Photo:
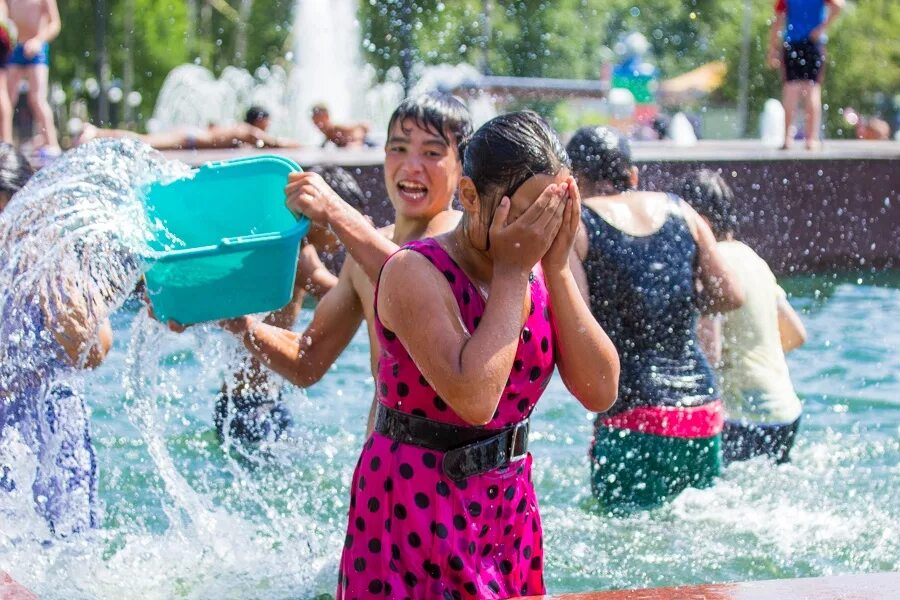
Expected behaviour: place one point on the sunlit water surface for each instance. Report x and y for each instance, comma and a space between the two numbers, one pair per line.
183, 518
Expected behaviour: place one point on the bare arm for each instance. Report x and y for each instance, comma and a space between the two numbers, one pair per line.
304, 358
52, 24
307, 193
311, 277
775, 33
793, 333
576, 263
721, 290
709, 332
312, 274
259, 137
587, 359
72, 318
468, 370
834, 10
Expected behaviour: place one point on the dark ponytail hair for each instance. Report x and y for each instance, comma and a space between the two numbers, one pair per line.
508, 150
15, 171
601, 155
708, 193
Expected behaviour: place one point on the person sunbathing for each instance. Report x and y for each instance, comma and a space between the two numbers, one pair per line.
342, 136
252, 132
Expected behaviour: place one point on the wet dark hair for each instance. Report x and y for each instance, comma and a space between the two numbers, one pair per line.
438, 112
15, 170
510, 149
254, 114
343, 183
600, 154
708, 193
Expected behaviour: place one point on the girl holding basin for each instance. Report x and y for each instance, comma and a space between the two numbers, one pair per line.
643, 255
442, 503
762, 411
421, 171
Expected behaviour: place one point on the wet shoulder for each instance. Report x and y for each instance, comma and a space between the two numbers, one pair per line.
739, 255
752, 271
632, 214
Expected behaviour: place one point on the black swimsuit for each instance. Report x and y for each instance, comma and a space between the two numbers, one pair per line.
642, 293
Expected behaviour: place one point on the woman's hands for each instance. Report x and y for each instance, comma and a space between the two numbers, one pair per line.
522, 243
556, 259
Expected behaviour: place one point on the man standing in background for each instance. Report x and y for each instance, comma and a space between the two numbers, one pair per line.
37, 23
797, 46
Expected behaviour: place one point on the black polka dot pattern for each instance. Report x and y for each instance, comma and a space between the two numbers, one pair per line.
412, 532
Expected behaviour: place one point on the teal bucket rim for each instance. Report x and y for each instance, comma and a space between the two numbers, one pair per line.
237, 243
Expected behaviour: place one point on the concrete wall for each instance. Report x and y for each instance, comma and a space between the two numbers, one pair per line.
800, 215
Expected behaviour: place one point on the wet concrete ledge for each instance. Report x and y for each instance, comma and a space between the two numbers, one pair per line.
877, 586
828, 210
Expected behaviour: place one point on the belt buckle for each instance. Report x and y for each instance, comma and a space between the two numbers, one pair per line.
518, 430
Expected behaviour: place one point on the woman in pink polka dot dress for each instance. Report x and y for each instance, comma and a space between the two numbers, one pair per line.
472, 324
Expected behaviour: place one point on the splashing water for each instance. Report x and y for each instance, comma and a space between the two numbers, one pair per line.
186, 519
75, 243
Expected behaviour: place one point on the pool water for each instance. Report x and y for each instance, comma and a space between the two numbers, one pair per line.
186, 519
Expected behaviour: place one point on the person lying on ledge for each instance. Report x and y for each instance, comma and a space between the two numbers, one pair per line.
342, 136
252, 132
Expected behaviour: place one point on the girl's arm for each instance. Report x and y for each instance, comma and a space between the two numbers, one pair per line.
307, 193
709, 332
774, 54
469, 369
587, 359
313, 275
51, 26
721, 290
834, 9
790, 327
303, 358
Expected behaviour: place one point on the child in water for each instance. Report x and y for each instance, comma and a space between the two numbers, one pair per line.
643, 254
442, 503
762, 410
41, 410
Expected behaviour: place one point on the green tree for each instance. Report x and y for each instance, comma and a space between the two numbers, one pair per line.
862, 65
863, 61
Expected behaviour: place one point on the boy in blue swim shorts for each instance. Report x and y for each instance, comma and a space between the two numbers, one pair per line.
37, 23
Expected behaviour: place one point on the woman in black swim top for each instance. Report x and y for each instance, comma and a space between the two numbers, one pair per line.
644, 254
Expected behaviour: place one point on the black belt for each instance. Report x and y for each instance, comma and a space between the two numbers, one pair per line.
467, 450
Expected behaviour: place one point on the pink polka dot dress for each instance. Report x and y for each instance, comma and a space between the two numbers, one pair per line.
413, 532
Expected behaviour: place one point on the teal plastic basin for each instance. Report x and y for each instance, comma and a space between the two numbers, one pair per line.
230, 245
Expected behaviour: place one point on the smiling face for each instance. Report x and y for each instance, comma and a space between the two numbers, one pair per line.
421, 170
